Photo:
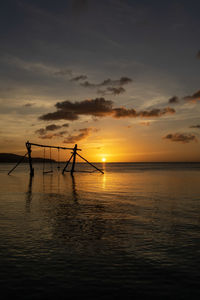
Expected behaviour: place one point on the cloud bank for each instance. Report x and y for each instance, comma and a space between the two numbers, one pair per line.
99, 107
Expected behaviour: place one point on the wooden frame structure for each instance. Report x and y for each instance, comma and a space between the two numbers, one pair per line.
74, 154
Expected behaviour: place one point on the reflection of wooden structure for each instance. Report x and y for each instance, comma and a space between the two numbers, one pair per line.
74, 154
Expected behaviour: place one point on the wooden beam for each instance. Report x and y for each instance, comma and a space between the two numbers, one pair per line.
90, 163
56, 147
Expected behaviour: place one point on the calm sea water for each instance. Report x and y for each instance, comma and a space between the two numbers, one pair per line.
131, 233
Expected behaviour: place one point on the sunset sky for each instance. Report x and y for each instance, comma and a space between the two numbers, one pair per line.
119, 78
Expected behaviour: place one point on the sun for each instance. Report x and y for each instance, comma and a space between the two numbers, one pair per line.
103, 159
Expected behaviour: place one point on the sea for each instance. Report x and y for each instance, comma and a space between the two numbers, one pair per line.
130, 233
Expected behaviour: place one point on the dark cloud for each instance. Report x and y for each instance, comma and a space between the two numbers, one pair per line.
195, 126
194, 98
174, 100
43, 131
181, 137
122, 112
112, 91
83, 133
52, 127
156, 112
109, 86
94, 107
99, 107
190, 98
120, 82
28, 104
65, 125
80, 77
108, 82
59, 115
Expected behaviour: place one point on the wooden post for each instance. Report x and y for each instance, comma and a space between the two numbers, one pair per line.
67, 163
28, 146
74, 159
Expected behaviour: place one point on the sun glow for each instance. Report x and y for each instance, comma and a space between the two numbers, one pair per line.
103, 159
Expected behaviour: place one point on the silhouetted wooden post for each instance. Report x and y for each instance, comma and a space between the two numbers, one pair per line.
28, 146
74, 159
67, 163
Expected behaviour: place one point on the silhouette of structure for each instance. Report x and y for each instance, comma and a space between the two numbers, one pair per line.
73, 156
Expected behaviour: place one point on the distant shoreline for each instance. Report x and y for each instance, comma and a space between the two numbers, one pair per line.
14, 158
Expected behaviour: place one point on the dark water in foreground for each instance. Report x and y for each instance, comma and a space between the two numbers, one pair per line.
130, 233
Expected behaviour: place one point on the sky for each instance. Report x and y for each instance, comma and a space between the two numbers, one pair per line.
118, 77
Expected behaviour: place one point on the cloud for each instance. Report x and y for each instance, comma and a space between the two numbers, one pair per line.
65, 125
112, 91
83, 133
195, 126
43, 131
190, 98
156, 112
95, 107
52, 127
198, 54
193, 98
80, 77
122, 112
28, 104
174, 100
183, 138
99, 107
108, 82
59, 115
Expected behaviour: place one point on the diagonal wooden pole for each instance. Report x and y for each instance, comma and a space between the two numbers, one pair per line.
67, 163
90, 163
17, 163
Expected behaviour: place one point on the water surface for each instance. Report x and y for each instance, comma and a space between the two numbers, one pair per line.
133, 230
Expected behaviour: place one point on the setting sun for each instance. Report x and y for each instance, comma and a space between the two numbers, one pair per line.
103, 159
